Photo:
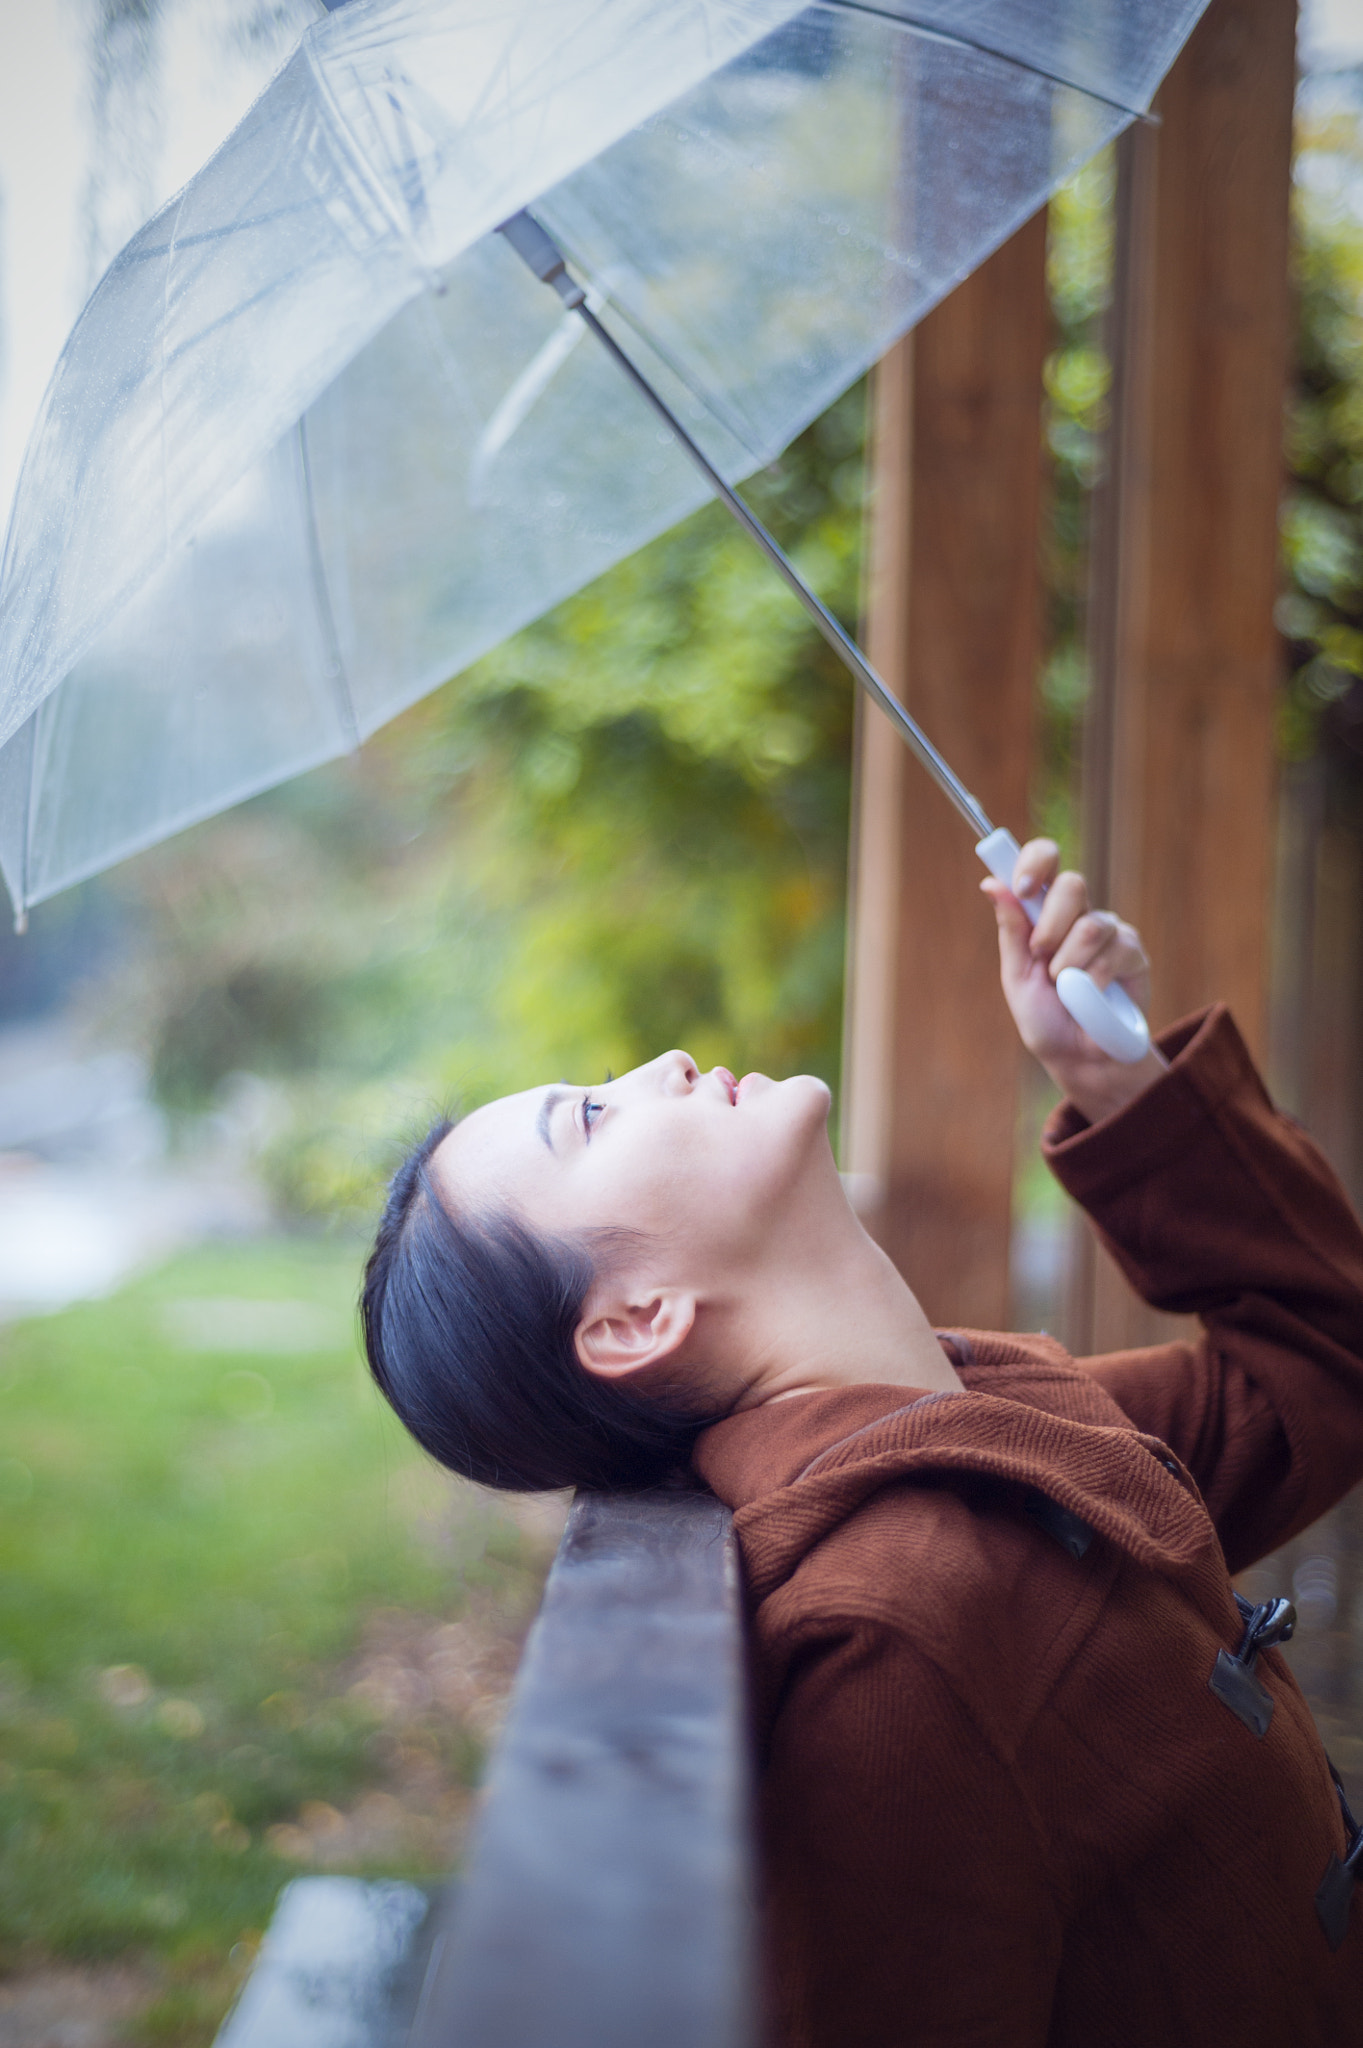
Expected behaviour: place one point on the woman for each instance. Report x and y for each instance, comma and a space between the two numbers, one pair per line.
1028, 1774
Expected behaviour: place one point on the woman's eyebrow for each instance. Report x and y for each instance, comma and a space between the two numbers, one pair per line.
550, 1103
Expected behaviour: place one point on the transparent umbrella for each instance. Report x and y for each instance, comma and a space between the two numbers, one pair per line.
320, 437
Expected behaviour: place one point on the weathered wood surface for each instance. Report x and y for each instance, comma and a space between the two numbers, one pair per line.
1179, 770
332, 1968
931, 1068
608, 1898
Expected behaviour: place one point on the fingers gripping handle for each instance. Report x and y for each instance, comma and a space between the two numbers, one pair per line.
1108, 1014
1000, 853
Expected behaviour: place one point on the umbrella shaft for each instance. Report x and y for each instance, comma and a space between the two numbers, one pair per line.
842, 643
541, 253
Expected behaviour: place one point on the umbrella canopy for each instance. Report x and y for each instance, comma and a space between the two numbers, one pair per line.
319, 439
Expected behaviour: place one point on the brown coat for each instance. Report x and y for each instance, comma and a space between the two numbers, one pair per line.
1000, 1803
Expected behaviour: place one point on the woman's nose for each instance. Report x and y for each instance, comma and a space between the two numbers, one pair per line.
678, 1071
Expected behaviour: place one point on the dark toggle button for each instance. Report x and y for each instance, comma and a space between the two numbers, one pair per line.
1336, 1887
1241, 1691
1068, 1530
1233, 1679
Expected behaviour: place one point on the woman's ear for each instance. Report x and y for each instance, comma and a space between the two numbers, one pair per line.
618, 1335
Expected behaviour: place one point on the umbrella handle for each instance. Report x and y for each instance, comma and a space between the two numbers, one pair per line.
1108, 1014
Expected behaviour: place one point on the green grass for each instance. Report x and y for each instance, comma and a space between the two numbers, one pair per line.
203, 1504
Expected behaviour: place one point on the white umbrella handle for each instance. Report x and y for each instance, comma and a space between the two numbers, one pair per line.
1108, 1014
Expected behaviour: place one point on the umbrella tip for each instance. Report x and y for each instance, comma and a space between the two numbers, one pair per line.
20, 923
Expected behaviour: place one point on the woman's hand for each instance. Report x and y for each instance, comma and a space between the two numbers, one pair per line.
1068, 934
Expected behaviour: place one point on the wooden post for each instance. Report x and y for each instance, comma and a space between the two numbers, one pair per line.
1179, 768
931, 1070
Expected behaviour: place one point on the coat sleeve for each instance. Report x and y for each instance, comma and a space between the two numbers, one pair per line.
1215, 1204
909, 1905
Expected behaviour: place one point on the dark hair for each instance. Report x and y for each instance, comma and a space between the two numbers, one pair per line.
469, 1327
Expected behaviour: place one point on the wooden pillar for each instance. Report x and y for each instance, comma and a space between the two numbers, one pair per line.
932, 1061
1179, 767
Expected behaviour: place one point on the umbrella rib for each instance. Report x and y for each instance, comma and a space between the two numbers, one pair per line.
541, 253
742, 430
949, 35
134, 253
333, 665
838, 639
26, 840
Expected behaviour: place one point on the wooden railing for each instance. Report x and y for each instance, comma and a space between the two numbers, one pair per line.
607, 1901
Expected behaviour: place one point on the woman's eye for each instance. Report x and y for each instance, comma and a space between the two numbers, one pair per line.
591, 1113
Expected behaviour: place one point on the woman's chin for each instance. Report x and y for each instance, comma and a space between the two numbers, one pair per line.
805, 1090
813, 1091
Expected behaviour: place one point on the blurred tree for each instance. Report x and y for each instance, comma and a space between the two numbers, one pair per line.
1321, 611
1318, 1023
1078, 379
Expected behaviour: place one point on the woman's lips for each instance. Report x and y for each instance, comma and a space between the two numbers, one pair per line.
727, 1078
738, 1092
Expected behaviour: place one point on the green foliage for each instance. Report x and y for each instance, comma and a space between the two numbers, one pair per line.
1077, 380
190, 1537
624, 829
1321, 612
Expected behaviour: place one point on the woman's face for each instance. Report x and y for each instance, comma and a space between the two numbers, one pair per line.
706, 1167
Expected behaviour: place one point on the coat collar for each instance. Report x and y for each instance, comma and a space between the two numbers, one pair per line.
1028, 1418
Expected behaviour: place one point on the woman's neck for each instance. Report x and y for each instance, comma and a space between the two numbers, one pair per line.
835, 1315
